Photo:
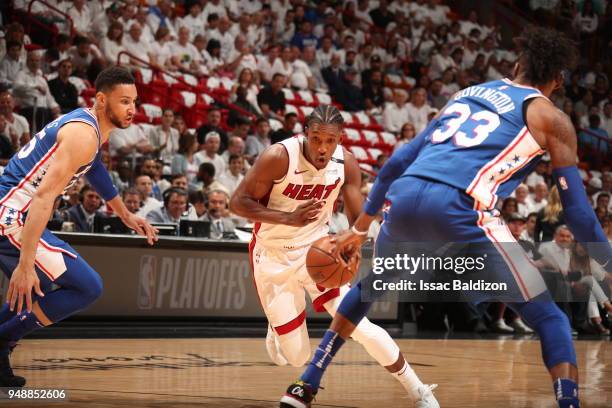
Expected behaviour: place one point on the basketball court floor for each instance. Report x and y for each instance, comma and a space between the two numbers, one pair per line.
236, 372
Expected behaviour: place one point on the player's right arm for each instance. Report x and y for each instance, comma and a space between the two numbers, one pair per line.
271, 165
77, 145
554, 131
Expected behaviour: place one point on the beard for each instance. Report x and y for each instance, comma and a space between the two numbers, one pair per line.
114, 120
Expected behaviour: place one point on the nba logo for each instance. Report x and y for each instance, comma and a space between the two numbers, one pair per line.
146, 281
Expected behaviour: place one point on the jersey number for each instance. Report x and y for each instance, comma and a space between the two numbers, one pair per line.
28, 148
456, 115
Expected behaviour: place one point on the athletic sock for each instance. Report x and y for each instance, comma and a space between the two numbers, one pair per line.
566, 393
324, 354
409, 380
18, 326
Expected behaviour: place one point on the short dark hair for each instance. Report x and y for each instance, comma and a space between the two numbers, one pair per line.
112, 76
260, 120
129, 191
207, 168
197, 197
290, 115
277, 75
325, 114
545, 53
234, 157
177, 176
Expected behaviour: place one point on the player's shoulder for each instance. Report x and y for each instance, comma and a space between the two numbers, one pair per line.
543, 115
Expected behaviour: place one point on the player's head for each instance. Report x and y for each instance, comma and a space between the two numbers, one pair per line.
116, 96
323, 134
545, 54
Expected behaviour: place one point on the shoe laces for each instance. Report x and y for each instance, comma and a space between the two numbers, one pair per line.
426, 390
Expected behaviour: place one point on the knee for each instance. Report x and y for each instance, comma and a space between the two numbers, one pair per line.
92, 287
366, 331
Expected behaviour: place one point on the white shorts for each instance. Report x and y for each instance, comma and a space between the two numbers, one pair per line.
280, 280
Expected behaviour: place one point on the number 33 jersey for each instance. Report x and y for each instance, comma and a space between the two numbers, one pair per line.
480, 143
27, 168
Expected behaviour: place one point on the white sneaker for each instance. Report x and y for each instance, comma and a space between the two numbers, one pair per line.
274, 350
500, 326
520, 326
426, 397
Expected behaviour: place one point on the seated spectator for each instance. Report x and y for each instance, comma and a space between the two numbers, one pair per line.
223, 36
221, 225
242, 128
131, 199
197, 201
112, 44
396, 113
301, 76
247, 81
549, 218
81, 17
406, 134
164, 138
8, 142
185, 55
418, 109
210, 152
271, 99
64, 92
86, 59
131, 141
17, 125
213, 124
32, 92
184, 161
305, 37
257, 143
557, 253
374, 91
236, 147
144, 185
521, 194
441, 61
283, 64
161, 47
538, 175
137, 47
173, 210
241, 57
334, 74
242, 102
149, 168
265, 63
291, 119
205, 179
537, 201
83, 214
438, 100
349, 94
594, 137
12, 63
233, 175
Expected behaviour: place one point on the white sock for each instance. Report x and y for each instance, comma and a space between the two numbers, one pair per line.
409, 380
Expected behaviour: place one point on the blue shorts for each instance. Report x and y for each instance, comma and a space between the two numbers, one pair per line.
421, 211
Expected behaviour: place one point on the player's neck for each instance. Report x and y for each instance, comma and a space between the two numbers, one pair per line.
105, 125
545, 89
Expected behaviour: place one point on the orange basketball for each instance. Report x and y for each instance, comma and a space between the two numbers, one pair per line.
324, 269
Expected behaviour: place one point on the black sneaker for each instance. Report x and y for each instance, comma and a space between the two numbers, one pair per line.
298, 395
7, 378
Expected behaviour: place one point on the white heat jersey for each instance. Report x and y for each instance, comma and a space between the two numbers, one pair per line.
302, 182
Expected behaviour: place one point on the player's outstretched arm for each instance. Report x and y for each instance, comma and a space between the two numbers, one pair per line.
271, 166
351, 190
554, 128
99, 178
77, 144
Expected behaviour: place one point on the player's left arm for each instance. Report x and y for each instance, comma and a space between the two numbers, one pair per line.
548, 123
351, 190
100, 180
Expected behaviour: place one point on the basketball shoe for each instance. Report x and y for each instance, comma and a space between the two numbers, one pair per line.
298, 395
273, 347
426, 397
7, 377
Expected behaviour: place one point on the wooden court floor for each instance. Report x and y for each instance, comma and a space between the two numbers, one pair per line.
235, 373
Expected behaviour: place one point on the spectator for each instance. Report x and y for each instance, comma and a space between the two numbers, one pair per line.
538, 175
538, 201
131, 141
283, 65
33, 93
81, 17
381, 15
185, 55
302, 76
264, 65
235, 116
184, 161
509, 206
236, 147
374, 91
594, 137
210, 152
406, 135
286, 131
271, 99
556, 253
334, 74
257, 143
63, 91
112, 43
144, 185
161, 47
137, 47
396, 113
213, 124
194, 22
12, 63
83, 214
18, 127
305, 37
149, 168
164, 138
223, 35
521, 194
86, 58
205, 179
233, 175
349, 94
173, 210
131, 199
8, 144
438, 101
549, 218
247, 81
179, 181
419, 110
198, 204
529, 231
441, 61
221, 225
606, 118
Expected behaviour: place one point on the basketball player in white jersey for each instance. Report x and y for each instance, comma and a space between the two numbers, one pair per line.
290, 193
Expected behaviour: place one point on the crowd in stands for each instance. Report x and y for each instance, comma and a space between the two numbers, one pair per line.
390, 66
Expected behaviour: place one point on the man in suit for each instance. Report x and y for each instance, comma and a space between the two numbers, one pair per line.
220, 223
174, 208
83, 213
333, 75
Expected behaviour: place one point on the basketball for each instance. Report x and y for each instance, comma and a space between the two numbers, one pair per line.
325, 269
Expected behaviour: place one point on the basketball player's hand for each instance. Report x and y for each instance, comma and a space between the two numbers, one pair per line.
305, 213
348, 245
142, 227
22, 282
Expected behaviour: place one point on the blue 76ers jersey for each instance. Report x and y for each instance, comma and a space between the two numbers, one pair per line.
28, 166
480, 143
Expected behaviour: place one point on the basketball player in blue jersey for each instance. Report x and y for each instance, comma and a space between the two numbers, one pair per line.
443, 186
33, 258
